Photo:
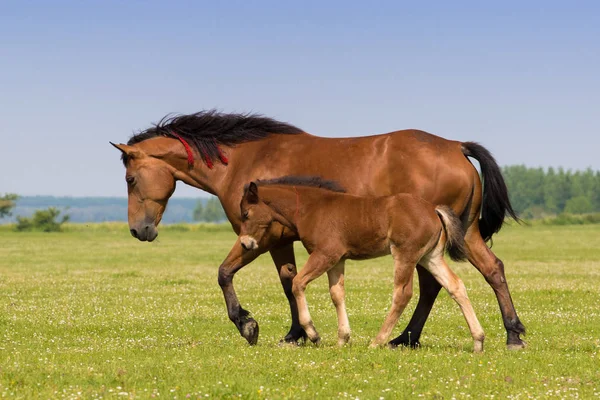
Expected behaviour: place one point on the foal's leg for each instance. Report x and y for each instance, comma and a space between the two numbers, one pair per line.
284, 260
338, 294
403, 288
492, 268
316, 265
428, 291
436, 264
236, 259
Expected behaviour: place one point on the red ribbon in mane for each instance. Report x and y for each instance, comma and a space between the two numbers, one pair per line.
188, 149
190, 155
224, 159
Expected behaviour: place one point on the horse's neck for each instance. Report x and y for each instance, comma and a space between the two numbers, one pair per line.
211, 180
221, 179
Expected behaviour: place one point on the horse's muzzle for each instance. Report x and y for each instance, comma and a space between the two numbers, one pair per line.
147, 234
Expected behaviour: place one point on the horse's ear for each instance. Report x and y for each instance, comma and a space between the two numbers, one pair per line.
128, 151
252, 193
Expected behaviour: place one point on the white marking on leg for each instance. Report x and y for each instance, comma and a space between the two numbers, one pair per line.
303, 314
435, 263
403, 286
338, 294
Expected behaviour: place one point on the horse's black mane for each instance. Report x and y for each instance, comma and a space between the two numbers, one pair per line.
311, 181
206, 130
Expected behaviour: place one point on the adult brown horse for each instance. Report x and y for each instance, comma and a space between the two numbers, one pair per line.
219, 153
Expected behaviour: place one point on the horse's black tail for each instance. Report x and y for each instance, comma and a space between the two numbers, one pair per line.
455, 234
496, 204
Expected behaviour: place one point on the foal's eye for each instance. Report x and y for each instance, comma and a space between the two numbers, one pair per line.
129, 179
245, 215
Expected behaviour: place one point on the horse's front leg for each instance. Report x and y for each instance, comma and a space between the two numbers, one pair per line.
285, 262
237, 258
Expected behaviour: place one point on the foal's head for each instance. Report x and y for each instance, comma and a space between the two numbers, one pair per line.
258, 220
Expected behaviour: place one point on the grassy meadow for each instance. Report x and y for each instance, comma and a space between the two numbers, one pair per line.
93, 313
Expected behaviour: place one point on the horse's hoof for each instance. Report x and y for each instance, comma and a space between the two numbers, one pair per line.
250, 331
294, 336
402, 343
520, 345
316, 341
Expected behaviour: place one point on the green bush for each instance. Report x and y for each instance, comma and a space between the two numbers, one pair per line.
7, 203
42, 220
579, 205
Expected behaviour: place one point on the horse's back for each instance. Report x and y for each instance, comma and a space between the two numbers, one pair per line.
406, 161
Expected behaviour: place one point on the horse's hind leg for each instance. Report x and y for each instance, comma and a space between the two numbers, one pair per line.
492, 269
338, 294
284, 260
435, 263
403, 277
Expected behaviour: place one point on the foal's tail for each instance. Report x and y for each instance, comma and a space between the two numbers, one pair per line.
496, 204
455, 234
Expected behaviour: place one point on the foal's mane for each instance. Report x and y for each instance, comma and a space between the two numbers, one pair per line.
297, 180
206, 130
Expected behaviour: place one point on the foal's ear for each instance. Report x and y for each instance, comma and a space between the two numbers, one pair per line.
252, 193
128, 151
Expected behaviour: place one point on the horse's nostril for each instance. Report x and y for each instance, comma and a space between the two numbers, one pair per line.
244, 246
133, 233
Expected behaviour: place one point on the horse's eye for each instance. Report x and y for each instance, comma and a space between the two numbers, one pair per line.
245, 215
130, 179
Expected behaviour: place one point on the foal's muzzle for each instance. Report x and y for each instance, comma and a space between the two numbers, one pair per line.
248, 242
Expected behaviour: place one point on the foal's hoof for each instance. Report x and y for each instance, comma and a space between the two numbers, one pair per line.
250, 331
520, 345
478, 347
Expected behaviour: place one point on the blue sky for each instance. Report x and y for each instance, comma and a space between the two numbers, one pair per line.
519, 77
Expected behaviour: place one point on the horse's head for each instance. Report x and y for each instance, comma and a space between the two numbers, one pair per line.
257, 220
150, 184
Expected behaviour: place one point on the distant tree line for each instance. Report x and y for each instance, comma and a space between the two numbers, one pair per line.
536, 192
209, 211
94, 209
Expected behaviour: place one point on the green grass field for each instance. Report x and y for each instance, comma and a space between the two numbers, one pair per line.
93, 313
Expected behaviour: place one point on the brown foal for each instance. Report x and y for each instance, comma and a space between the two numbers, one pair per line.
334, 227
